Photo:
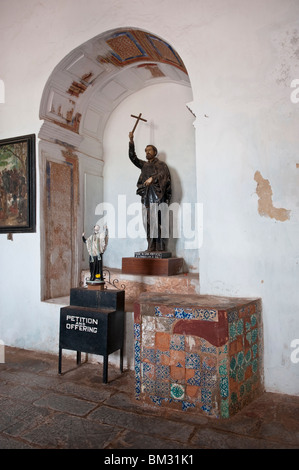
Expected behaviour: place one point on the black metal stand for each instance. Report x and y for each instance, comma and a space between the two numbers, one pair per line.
93, 323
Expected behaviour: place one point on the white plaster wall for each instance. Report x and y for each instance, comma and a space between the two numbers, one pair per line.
241, 57
170, 128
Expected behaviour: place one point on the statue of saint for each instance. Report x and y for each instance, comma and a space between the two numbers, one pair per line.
154, 187
96, 245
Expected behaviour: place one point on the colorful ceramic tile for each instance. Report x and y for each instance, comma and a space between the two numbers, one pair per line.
209, 362
137, 331
177, 342
148, 370
224, 408
240, 358
240, 326
162, 357
223, 367
162, 389
179, 313
186, 405
209, 315
195, 378
232, 316
148, 386
254, 335
162, 372
207, 347
208, 379
192, 361
206, 396
177, 391
137, 351
254, 350
164, 311
148, 355
232, 331
158, 312
224, 387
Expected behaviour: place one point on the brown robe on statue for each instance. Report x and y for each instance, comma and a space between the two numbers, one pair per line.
158, 192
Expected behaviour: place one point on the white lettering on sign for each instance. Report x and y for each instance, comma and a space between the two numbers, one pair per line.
81, 324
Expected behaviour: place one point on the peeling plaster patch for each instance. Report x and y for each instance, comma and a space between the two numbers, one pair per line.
265, 204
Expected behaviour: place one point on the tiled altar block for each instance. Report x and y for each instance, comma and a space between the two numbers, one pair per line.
199, 353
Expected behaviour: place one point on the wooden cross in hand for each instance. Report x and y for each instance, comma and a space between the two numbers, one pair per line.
139, 118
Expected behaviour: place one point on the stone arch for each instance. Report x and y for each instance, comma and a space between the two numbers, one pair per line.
78, 98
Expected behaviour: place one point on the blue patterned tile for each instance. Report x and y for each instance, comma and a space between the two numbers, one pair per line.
192, 361
195, 380
207, 409
161, 355
186, 405
208, 379
148, 370
137, 351
179, 313
156, 400
158, 312
137, 370
149, 386
177, 342
209, 315
206, 396
162, 389
149, 354
162, 372
207, 347
137, 331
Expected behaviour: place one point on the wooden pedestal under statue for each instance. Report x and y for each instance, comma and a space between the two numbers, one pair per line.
156, 263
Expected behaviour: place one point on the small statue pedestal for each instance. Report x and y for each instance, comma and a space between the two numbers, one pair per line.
154, 263
95, 285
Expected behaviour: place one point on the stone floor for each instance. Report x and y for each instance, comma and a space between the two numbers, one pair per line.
43, 410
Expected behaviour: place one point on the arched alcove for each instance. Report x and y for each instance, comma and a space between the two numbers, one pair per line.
78, 99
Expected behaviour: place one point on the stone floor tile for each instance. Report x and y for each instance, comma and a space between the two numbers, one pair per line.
135, 440
64, 431
143, 423
7, 442
18, 415
206, 438
66, 404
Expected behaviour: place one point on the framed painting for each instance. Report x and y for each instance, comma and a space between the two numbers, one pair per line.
17, 185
